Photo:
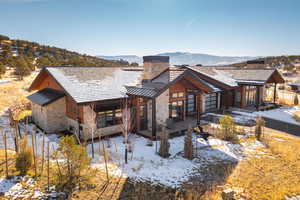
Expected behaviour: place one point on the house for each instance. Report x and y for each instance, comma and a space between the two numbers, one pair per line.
93, 99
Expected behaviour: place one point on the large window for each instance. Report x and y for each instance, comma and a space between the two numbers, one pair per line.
109, 118
176, 110
250, 95
211, 102
191, 107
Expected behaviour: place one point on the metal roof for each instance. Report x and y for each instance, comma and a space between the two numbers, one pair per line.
87, 84
45, 96
144, 92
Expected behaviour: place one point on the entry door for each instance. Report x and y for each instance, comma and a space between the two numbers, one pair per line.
191, 104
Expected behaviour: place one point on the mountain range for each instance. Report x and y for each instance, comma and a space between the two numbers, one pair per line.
181, 58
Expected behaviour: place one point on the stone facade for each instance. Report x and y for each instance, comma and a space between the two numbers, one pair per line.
162, 108
52, 117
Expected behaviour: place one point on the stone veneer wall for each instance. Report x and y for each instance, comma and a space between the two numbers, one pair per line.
162, 108
52, 117
149, 114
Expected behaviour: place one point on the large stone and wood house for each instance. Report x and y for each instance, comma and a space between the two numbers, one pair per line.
91, 99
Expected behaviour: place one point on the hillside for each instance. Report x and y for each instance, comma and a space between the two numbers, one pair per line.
24, 56
180, 58
276, 61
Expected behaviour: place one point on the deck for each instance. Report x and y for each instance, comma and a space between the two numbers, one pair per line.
176, 128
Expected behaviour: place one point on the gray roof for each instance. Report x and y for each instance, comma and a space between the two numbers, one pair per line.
144, 92
45, 96
215, 74
250, 74
233, 77
87, 84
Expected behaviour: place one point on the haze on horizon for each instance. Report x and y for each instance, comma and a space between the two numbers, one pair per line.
134, 27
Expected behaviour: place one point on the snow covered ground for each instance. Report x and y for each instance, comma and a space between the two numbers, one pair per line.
144, 164
53, 139
283, 114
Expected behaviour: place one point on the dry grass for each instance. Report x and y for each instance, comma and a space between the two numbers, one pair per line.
274, 174
14, 91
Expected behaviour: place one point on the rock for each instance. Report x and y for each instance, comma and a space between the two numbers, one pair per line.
228, 194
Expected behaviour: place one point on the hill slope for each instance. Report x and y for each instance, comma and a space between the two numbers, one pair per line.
24, 56
180, 58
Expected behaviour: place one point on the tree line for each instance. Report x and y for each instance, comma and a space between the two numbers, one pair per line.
25, 56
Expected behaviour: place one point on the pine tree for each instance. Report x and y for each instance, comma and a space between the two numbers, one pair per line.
188, 145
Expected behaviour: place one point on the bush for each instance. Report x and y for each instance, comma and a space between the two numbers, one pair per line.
24, 157
73, 169
228, 129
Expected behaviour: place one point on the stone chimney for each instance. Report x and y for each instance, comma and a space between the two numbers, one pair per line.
154, 65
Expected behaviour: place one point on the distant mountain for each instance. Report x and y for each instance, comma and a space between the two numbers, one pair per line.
180, 58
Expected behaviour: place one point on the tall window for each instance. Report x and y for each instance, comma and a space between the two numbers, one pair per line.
176, 110
211, 102
250, 95
191, 107
109, 118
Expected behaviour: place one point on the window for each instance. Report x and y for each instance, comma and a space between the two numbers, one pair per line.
250, 95
191, 103
109, 118
177, 94
176, 110
211, 102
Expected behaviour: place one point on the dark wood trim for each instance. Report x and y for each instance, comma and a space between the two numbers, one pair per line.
153, 118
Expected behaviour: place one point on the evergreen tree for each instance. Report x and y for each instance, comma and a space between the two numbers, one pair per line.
73, 169
21, 68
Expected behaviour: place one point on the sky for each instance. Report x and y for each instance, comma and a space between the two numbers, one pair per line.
147, 27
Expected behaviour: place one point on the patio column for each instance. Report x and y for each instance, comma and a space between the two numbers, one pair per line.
274, 98
153, 118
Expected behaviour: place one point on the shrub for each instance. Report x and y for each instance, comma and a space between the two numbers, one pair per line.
228, 129
259, 127
188, 145
73, 169
164, 144
24, 157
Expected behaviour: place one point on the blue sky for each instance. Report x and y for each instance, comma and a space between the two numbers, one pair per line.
145, 27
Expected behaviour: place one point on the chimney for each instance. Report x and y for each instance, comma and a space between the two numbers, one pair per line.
154, 65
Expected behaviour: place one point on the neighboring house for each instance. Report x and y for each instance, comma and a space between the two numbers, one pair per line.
89, 99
